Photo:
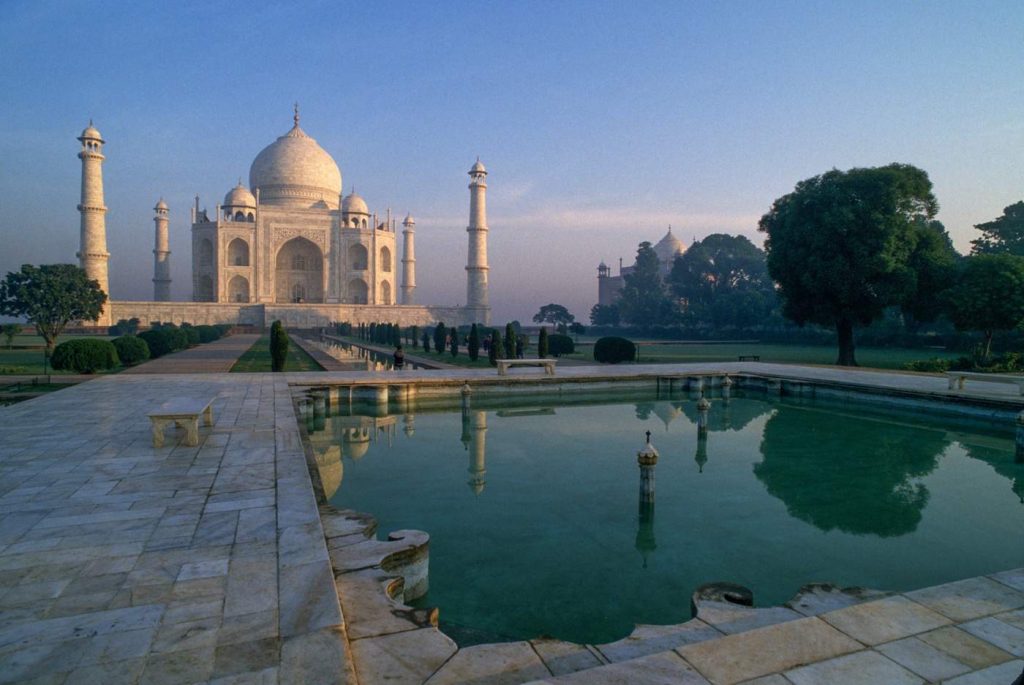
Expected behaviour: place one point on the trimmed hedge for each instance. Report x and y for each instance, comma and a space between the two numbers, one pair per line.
164, 340
559, 344
612, 350
131, 349
86, 355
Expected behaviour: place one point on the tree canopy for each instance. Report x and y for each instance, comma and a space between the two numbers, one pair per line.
554, 314
51, 296
723, 282
1004, 235
644, 300
988, 295
840, 246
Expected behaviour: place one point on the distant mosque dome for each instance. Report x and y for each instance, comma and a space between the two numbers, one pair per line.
239, 196
295, 171
668, 247
354, 204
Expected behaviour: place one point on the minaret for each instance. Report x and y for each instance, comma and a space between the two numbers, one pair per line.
161, 255
476, 267
409, 260
92, 254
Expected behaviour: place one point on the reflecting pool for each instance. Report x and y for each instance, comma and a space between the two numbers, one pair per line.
536, 528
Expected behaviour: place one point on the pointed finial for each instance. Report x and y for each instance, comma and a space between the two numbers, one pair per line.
648, 437
296, 117
90, 123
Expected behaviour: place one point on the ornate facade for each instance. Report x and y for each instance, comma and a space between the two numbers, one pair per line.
608, 286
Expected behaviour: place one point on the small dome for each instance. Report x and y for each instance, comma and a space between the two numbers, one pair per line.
668, 247
91, 133
294, 171
354, 204
161, 206
409, 221
239, 196
477, 168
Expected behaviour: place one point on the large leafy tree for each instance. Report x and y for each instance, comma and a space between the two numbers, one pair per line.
723, 281
643, 301
604, 315
933, 263
1003, 235
51, 296
554, 314
988, 295
840, 246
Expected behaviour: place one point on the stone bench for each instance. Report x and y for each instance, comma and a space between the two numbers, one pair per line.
183, 411
548, 364
957, 378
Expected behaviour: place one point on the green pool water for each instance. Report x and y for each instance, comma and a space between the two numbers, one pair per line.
536, 527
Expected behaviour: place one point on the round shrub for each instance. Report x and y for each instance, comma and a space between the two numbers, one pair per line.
131, 349
191, 336
208, 334
160, 341
612, 350
559, 344
85, 355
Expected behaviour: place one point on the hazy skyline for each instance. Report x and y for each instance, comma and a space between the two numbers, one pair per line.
600, 123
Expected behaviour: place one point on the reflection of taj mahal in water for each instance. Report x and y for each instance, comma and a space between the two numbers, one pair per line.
289, 246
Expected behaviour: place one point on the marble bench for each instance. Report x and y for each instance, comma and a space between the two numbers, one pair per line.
957, 378
183, 411
548, 364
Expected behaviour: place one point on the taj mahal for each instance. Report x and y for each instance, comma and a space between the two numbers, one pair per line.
290, 246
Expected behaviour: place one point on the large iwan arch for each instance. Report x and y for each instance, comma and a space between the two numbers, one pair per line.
299, 276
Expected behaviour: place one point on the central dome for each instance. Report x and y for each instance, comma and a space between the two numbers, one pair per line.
294, 171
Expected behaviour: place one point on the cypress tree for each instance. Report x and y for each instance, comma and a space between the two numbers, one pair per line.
439, 337
510, 341
473, 345
455, 342
415, 335
542, 343
278, 346
496, 350
426, 341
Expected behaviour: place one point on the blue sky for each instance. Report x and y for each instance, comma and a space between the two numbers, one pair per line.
600, 123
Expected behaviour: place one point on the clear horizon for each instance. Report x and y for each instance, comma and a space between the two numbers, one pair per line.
600, 124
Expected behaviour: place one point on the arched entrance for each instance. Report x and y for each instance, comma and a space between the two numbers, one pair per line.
238, 252
385, 292
238, 289
299, 276
357, 291
204, 289
357, 258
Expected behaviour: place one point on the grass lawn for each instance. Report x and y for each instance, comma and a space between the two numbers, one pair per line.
257, 358
26, 355
871, 357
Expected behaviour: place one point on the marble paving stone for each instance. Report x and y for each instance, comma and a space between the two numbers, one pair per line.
854, 669
963, 600
731, 618
563, 658
768, 680
367, 608
309, 600
763, 651
317, 657
1014, 618
403, 658
923, 659
650, 639
1003, 674
508, 663
203, 569
258, 626
1004, 636
884, 620
965, 647
1013, 577
183, 666
665, 668
125, 672
251, 586
267, 676
246, 657
302, 544
172, 637
192, 610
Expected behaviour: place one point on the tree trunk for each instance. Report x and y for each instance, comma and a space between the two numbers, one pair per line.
988, 345
844, 334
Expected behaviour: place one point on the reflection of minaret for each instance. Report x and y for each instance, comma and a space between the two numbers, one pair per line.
703, 408
478, 451
410, 424
646, 459
477, 300
702, 452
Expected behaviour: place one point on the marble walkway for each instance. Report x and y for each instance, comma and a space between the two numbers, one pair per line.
120, 562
